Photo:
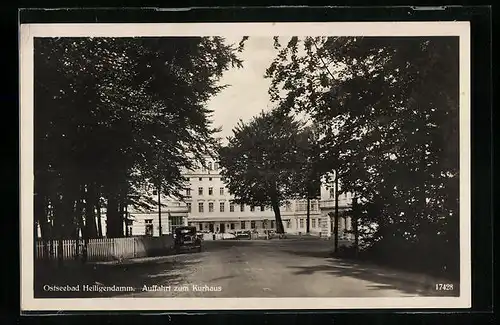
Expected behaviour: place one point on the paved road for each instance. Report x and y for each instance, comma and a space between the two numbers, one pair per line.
276, 268
299, 268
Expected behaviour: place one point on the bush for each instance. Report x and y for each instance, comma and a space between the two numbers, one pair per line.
431, 255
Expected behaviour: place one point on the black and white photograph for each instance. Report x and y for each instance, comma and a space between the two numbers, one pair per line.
245, 166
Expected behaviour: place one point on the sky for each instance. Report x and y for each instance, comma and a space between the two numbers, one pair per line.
247, 93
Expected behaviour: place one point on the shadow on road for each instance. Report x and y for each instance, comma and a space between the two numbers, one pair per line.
310, 253
382, 278
222, 278
167, 270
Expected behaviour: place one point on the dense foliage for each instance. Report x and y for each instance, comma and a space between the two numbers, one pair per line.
113, 114
265, 160
387, 109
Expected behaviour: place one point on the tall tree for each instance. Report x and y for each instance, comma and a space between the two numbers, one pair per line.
105, 108
389, 109
260, 162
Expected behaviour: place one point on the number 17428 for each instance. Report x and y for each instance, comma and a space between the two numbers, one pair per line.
444, 286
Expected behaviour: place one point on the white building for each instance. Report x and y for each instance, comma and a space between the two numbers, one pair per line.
210, 207
327, 207
172, 213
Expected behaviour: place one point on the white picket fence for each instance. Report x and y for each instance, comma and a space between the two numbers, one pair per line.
105, 249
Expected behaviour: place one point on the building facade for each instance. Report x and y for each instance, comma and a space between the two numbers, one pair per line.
327, 207
210, 207
171, 214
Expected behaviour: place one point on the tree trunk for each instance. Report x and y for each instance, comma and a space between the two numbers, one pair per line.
113, 218
126, 221
277, 214
44, 230
122, 212
78, 218
77, 237
336, 217
355, 216
90, 224
58, 228
79, 224
99, 219
40, 215
160, 229
308, 218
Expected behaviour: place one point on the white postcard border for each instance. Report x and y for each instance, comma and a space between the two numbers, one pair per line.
29, 31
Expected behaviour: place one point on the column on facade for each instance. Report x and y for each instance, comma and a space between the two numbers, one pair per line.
344, 223
328, 221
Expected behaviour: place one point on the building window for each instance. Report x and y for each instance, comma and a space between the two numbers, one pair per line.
149, 227
313, 223
242, 207
210, 179
272, 224
243, 225
201, 226
200, 190
252, 224
231, 207
288, 207
302, 206
261, 208
288, 224
332, 193
232, 226
210, 207
314, 205
200, 207
252, 208
221, 191
221, 205
175, 222
188, 206
210, 191
216, 166
210, 166
301, 223
188, 192
200, 179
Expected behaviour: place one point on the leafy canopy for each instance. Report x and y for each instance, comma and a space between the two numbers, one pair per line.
116, 113
261, 160
387, 111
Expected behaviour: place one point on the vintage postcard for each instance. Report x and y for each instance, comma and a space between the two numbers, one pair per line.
245, 166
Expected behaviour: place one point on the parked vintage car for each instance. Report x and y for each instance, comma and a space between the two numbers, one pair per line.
186, 238
270, 233
243, 234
